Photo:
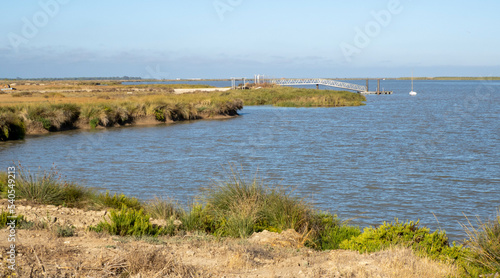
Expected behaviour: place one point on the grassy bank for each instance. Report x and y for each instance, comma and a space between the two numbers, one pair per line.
91, 105
298, 97
18, 120
237, 208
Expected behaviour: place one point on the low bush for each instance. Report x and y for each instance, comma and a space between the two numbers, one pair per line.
128, 222
7, 217
64, 231
408, 234
330, 232
118, 201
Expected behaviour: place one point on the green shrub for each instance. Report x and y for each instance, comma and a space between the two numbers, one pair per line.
64, 231
330, 232
128, 222
197, 219
434, 245
118, 201
7, 217
94, 123
160, 115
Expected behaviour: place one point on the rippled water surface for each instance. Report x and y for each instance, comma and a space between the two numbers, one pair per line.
398, 156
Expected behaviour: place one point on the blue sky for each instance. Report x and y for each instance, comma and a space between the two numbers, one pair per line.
225, 38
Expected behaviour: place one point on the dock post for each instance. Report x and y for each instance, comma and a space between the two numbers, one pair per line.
367, 85
378, 86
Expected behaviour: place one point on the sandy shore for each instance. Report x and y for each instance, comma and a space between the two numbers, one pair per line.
41, 253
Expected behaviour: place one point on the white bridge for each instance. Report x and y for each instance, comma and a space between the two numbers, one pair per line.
318, 81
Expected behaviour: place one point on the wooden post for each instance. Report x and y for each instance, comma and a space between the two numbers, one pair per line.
378, 86
367, 85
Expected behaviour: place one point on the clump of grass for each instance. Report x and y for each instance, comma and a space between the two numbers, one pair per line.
11, 126
54, 95
47, 187
484, 244
238, 208
22, 94
162, 209
53, 117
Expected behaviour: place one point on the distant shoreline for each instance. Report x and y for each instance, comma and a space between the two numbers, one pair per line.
138, 79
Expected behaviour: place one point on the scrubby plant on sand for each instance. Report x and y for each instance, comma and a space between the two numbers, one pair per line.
117, 201
128, 222
407, 234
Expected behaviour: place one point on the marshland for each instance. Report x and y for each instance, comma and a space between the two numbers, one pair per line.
40, 108
335, 172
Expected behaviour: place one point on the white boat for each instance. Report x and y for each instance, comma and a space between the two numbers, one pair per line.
412, 93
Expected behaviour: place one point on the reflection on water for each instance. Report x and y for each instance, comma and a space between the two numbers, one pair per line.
398, 156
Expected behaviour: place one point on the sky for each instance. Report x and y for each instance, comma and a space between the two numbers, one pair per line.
240, 38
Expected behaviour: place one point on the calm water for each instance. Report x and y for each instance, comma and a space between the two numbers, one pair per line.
398, 156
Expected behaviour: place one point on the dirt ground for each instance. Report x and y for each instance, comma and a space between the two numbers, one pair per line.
41, 253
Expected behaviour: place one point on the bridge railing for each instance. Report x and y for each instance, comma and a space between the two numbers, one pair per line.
314, 81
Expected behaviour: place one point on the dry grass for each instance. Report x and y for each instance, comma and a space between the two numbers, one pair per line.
395, 262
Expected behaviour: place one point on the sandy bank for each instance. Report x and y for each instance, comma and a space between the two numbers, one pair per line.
41, 253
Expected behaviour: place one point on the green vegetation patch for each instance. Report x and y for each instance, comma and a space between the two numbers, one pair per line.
128, 222
298, 97
12, 126
408, 234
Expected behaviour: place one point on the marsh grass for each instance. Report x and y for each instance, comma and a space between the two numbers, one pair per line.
238, 207
297, 97
15, 120
484, 243
47, 187
11, 126
72, 110
160, 208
